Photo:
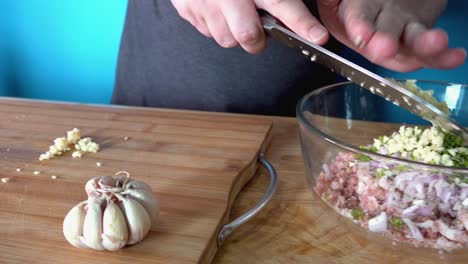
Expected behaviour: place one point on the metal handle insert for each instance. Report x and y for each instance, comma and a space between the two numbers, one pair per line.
227, 229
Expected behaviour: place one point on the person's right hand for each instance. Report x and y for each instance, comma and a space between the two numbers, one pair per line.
236, 22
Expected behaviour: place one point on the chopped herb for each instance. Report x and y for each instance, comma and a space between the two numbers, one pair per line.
401, 168
396, 222
458, 179
364, 158
452, 141
358, 214
380, 173
461, 160
371, 148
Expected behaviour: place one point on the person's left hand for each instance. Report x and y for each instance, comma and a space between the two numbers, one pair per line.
396, 34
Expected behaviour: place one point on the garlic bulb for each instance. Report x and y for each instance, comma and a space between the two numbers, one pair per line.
119, 211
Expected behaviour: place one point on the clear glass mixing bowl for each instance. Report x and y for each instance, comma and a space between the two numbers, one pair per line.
336, 120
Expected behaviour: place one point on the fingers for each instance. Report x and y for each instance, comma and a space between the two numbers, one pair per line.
359, 21
388, 23
449, 59
229, 22
219, 29
202, 27
295, 15
424, 42
244, 24
406, 62
431, 47
184, 11
381, 47
234, 22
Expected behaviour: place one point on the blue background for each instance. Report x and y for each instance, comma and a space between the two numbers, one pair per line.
60, 49
67, 50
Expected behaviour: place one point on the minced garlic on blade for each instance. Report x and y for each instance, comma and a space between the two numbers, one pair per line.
427, 95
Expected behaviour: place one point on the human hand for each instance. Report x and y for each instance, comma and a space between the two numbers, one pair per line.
236, 22
396, 34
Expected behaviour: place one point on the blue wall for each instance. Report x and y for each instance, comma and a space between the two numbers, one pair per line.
4, 48
67, 49
60, 50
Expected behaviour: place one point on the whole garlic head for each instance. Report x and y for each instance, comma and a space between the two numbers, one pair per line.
119, 211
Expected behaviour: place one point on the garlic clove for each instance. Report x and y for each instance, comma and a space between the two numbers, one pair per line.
73, 225
138, 220
147, 199
92, 185
115, 232
92, 226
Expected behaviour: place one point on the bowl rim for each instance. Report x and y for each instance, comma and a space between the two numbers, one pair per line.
302, 120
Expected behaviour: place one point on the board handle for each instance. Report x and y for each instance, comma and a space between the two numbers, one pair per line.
227, 229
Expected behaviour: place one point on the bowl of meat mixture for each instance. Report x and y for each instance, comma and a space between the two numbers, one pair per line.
384, 168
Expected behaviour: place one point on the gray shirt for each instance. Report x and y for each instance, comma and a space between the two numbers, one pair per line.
165, 62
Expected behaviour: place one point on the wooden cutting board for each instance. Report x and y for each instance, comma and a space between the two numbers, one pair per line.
196, 163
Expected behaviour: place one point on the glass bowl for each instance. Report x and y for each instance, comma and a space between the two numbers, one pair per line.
407, 201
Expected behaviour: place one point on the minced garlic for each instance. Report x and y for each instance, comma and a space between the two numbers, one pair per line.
73, 136
64, 144
87, 145
5, 180
431, 145
77, 154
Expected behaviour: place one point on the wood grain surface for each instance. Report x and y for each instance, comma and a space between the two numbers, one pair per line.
298, 228
195, 162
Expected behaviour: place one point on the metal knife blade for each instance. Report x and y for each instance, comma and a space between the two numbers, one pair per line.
374, 83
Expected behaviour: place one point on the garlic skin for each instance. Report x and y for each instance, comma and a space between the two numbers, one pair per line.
119, 211
91, 185
132, 184
92, 226
115, 232
73, 225
138, 220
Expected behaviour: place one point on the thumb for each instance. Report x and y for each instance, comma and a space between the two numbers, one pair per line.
295, 15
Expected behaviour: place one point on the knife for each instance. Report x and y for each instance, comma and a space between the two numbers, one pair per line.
374, 83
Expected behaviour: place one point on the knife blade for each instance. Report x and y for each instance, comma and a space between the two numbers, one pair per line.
374, 83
